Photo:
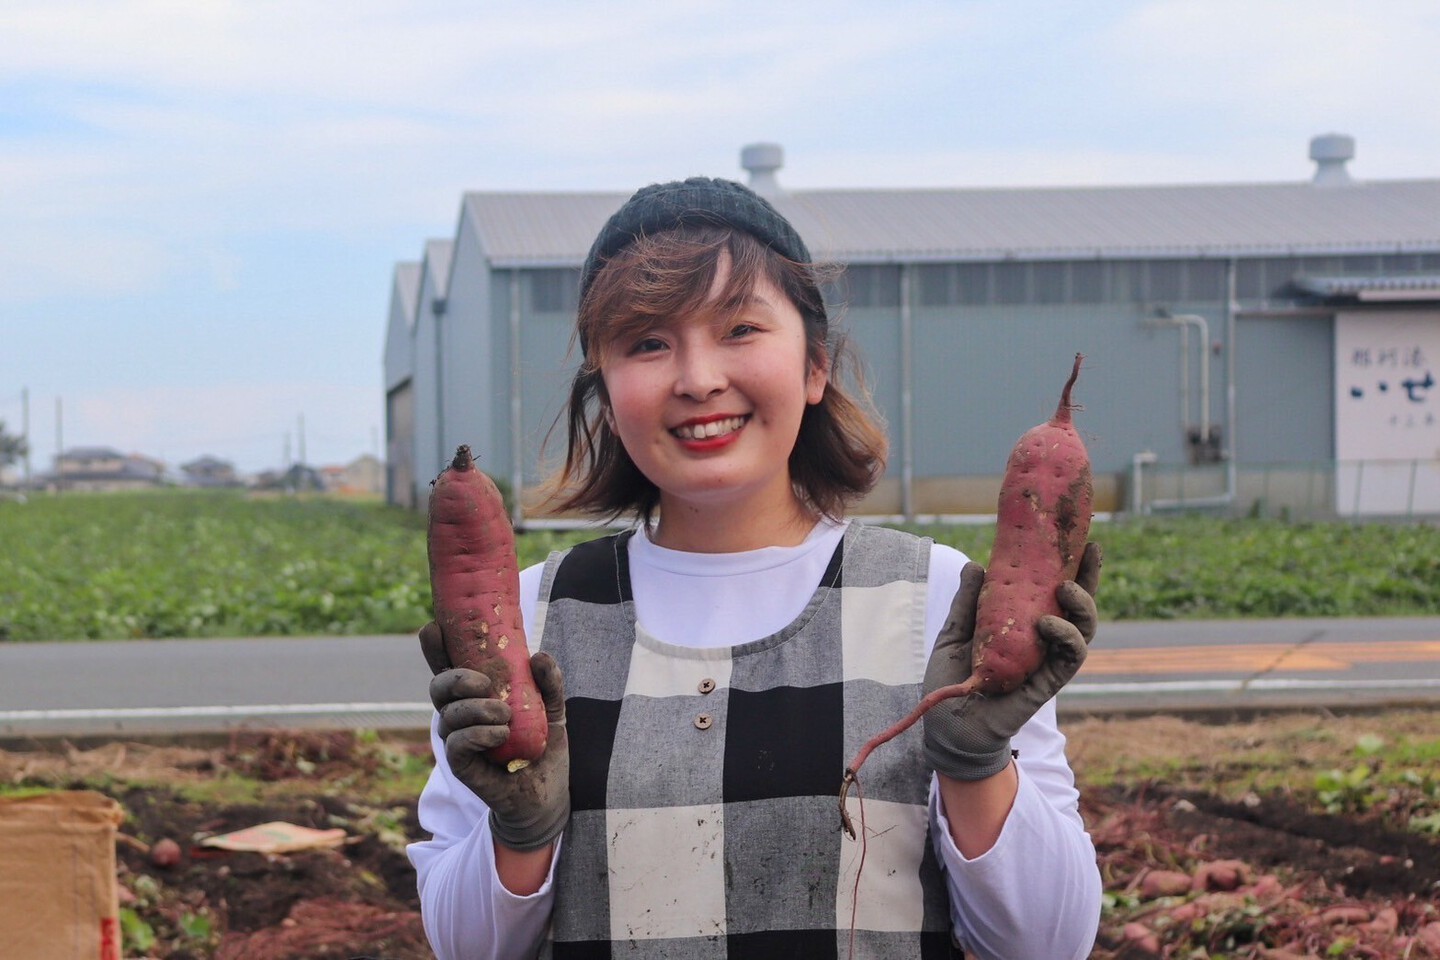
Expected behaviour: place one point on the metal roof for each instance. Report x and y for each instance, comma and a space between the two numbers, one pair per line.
90, 453
1049, 223
538, 229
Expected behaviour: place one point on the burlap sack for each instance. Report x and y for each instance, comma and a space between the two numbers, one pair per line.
57, 877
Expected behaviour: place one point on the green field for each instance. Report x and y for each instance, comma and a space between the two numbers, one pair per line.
224, 564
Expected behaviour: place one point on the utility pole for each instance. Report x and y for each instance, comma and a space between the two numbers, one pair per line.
25, 430
59, 444
301, 435
287, 482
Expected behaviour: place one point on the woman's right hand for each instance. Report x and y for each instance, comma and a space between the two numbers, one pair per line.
530, 807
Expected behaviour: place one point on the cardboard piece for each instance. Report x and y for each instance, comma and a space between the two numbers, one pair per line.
57, 876
277, 836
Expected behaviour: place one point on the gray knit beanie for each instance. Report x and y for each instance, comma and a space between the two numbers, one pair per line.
696, 201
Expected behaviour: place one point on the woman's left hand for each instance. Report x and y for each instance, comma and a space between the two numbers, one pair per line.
969, 738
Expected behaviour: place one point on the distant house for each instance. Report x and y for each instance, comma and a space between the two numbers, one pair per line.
365, 475
266, 480
333, 477
105, 470
297, 478
362, 477
208, 471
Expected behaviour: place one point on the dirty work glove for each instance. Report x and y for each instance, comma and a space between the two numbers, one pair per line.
530, 807
969, 738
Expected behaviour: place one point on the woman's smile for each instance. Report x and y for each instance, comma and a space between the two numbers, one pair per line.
709, 432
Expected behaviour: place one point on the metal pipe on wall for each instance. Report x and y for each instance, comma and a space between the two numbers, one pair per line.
1184, 378
907, 392
1184, 321
1232, 483
1187, 320
437, 307
517, 446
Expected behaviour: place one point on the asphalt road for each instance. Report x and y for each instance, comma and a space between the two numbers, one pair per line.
156, 687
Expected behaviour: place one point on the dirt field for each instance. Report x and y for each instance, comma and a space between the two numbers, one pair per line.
1295, 835
1215, 839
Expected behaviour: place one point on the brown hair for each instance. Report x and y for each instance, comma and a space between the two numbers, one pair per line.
840, 451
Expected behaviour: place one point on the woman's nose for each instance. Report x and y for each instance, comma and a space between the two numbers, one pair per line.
700, 372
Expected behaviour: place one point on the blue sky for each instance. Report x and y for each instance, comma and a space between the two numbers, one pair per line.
201, 203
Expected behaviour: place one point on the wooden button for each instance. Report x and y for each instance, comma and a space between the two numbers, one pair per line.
703, 721
707, 685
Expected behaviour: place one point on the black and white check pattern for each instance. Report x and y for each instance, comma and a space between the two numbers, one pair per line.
704, 782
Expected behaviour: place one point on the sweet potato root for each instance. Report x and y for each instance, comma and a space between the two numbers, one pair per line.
475, 592
1042, 523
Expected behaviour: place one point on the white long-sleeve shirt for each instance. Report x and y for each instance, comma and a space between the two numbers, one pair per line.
706, 600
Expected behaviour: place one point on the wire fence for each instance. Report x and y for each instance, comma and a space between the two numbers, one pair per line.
1318, 490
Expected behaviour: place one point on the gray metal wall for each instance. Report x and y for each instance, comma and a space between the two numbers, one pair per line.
545, 373
1285, 404
427, 386
980, 375
467, 332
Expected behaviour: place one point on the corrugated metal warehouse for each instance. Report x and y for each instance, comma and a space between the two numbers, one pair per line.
1254, 347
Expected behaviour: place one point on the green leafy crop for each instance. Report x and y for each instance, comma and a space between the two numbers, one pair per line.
200, 563
207, 564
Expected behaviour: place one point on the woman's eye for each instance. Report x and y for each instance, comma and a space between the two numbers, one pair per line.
741, 330
647, 345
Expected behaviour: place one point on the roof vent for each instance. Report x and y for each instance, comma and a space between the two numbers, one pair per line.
762, 160
1331, 151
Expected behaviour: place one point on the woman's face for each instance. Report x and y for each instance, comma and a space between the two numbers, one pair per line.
709, 408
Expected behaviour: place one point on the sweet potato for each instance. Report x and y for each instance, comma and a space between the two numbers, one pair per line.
1042, 523
475, 592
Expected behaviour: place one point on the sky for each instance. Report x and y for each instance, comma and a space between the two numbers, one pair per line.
202, 202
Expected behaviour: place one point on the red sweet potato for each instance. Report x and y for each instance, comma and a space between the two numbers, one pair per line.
1042, 523
475, 592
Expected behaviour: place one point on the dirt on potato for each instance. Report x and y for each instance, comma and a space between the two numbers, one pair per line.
1293, 835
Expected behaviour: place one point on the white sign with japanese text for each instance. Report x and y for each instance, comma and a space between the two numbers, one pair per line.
1387, 413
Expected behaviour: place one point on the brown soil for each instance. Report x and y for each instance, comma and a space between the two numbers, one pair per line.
357, 900
1263, 870
1228, 813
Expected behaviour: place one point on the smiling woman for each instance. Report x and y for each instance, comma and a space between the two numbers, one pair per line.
721, 657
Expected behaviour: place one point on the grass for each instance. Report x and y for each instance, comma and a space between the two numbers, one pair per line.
199, 564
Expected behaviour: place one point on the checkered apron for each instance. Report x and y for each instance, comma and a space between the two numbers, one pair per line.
704, 782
